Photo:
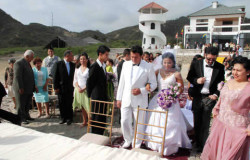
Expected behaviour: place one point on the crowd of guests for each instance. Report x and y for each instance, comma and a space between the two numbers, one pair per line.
76, 79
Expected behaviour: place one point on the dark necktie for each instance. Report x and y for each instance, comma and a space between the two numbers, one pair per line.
136, 64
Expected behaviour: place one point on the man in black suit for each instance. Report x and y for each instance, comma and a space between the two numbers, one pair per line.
63, 85
97, 85
126, 57
205, 75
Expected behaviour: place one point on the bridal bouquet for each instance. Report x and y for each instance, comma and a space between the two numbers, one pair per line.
168, 96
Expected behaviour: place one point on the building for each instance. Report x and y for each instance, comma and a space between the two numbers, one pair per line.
62, 42
217, 23
150, 20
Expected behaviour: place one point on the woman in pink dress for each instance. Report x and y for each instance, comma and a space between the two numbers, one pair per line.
230, 133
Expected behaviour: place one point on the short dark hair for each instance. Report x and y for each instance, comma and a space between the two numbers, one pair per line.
51, 48
37, 59
67, 52
137, 49
102, 49
111, 61
170, 56
212, 50
196, 57
146, 53
242, 60
126, 52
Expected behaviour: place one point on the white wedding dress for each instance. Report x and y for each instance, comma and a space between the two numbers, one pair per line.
176, 131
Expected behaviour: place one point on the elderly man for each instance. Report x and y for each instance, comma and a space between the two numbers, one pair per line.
24, 85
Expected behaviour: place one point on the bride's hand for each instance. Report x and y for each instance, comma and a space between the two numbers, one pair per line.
148, 87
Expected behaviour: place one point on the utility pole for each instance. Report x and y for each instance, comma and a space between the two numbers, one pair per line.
52, 19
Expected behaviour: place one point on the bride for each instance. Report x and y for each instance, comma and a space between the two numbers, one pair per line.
176, 130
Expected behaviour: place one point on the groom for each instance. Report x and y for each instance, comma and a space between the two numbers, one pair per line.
131, 93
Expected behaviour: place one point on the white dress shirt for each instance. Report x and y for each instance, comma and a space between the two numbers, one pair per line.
101, 65
208, 75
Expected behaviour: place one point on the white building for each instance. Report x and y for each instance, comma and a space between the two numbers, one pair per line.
150, 20
217, 23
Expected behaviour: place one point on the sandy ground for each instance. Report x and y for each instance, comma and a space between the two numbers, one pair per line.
51, 125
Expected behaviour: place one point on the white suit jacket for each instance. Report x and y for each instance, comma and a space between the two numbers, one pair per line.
144, 75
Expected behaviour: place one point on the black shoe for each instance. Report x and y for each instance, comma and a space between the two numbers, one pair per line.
25, 122
69, 122
62, 121
31, 119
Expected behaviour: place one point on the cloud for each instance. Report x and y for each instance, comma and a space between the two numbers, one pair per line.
103, 15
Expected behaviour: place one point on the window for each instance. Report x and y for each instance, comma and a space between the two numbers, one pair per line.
144, 40
152, 25
152, 40
229, 29
201, 20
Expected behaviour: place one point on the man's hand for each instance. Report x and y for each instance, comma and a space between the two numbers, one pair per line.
136, 91
201, 80
248, 132
118, 104
213, 97
21, 91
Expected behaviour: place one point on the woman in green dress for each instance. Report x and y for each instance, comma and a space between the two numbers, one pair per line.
81, 100
110, 79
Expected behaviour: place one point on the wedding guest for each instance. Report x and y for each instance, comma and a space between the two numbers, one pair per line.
63, 85
230, 132
81, 100
97, 86
126, 57
9, 75
132, 93
116, 58
41, 84
228, 67
151, 57
50, 60
110, 79
76, 60
146, 56
24, 85
205, 75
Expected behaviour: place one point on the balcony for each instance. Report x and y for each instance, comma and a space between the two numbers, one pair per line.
223, 30
152, 17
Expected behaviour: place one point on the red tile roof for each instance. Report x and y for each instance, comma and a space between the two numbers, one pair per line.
153, 5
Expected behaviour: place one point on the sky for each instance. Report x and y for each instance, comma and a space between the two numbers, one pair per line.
102, 15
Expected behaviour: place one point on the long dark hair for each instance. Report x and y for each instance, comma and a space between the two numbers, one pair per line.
87, 57
170, 56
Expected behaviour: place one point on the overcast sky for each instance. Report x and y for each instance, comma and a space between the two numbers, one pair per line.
102, 15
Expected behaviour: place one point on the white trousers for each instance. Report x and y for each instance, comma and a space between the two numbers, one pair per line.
128, 124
